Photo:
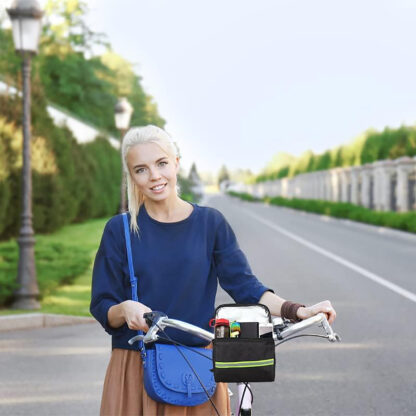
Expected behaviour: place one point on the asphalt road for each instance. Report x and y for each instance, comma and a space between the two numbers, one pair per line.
373, 370
303, 257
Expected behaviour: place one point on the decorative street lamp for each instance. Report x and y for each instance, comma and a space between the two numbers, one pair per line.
26, 18
122, 115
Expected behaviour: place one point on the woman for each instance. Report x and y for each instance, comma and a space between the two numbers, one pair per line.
180, 251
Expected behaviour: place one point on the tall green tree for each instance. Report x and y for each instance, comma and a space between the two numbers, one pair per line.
127, 83
223, 175
193, 173
65, 29
86, 84
10, 62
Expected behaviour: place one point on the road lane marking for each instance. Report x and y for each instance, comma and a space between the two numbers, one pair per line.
360, 270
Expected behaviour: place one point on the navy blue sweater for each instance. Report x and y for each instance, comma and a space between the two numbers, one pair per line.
177, 265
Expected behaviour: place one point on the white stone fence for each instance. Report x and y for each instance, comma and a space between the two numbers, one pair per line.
388, 185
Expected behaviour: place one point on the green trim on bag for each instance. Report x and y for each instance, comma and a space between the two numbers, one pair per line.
244, 364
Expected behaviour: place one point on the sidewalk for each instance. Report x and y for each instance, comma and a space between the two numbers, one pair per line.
39, 320
53, 371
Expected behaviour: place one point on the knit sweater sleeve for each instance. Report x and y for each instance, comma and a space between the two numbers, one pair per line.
107, 278
233, 271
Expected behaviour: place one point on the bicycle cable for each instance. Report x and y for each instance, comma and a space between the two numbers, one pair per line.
299, 336
190, 366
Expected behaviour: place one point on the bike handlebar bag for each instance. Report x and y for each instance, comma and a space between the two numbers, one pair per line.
246, 358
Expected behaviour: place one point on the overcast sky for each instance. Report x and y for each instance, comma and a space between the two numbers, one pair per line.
238, 81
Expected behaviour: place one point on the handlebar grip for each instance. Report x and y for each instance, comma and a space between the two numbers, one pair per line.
148, 317
153, 317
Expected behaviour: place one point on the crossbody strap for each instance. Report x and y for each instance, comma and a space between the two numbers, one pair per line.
133, 278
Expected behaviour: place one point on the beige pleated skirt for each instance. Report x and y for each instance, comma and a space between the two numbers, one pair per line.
124, 393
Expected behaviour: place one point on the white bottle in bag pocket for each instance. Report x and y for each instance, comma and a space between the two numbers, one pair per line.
265, 330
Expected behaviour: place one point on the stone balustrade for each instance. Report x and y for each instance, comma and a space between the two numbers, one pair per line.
387, 185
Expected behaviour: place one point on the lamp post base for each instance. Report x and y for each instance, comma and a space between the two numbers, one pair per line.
26, 302
27, 295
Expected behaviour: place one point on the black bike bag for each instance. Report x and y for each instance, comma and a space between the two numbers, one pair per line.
251, 356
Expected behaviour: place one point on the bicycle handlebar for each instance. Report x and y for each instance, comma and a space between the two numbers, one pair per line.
158, 321
319, 319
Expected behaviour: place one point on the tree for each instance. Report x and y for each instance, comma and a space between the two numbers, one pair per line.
87, 85
10, 62
127, 84
241, 175
278, 161
193, 174
65, 29
195, 182
323, 161
301, 164
223, 175
71, 81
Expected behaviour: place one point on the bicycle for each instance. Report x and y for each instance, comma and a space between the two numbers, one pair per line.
283, 331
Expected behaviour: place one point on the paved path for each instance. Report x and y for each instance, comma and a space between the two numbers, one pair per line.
53, 371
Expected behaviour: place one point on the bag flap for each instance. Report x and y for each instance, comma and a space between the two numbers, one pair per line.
175, 373
244, 313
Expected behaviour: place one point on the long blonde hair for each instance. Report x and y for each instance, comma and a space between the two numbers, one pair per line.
140, 135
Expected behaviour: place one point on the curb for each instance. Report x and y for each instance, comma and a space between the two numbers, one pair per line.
40, 320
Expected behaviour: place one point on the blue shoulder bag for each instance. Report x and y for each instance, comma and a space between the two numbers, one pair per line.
168, 378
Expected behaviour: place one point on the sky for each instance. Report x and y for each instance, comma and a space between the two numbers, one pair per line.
239, 81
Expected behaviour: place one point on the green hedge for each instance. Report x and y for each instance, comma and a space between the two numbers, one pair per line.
403, 221
56, 264
244, 196
71, 182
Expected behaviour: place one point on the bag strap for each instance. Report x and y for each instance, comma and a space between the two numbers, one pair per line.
133, 278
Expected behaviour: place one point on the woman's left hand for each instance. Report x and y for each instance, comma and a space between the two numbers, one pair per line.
325, 307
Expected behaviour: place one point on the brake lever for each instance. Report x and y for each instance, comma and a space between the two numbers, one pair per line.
279, 325
137, 338
332, 336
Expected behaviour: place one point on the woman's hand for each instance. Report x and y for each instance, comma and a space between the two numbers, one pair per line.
133, 314
325, 307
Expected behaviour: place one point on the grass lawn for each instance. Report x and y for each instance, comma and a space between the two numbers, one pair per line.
63, 264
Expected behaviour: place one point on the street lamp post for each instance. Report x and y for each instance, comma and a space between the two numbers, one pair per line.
122, 115
26, 18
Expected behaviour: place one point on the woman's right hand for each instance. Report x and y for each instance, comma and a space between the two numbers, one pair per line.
133, 315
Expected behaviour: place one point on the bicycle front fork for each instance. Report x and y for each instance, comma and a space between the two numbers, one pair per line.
244, 400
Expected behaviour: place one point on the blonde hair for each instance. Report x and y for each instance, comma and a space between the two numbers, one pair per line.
140, 135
